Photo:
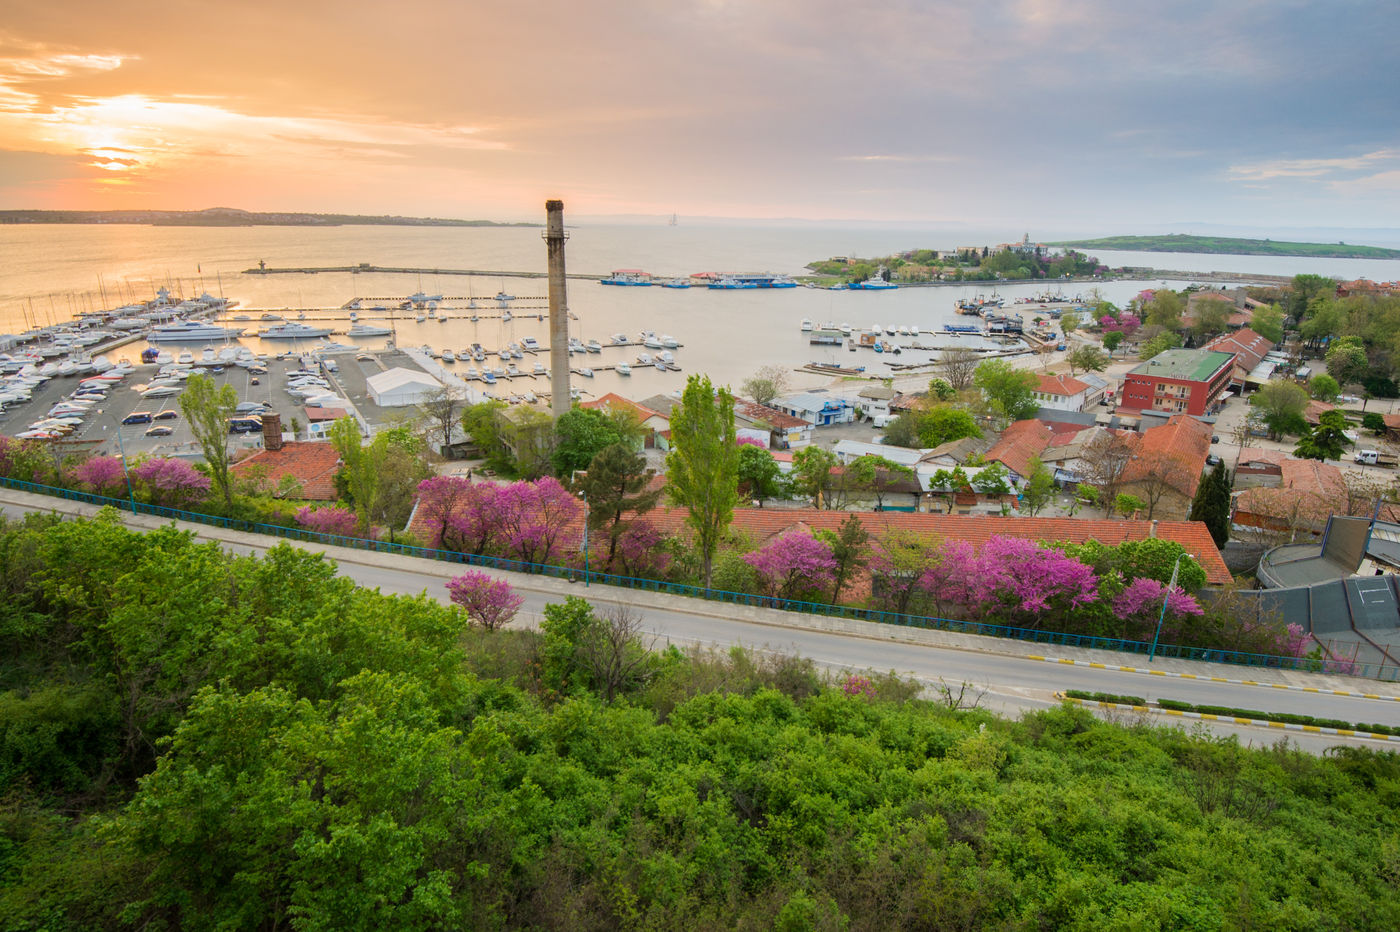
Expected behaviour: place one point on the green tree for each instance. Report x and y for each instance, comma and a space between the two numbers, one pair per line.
1212, 504
940, 389
207, 409
1346, 360
1326, 441
399, 462
1112, 340
358, 466
580, 434
1128, 505
1304, 293
1069, 322
1268, 323
1009, 391
1212, 317
942, 423
1167, 339
1164, 310
812, 468
850, 547
1039, 489
1374, 421
1086, 357
1324, 388
616, 485
878, 475
759, 475
1281, 406
702, 469
481, 422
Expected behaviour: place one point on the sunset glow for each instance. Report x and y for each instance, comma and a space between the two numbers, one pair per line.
1073, 110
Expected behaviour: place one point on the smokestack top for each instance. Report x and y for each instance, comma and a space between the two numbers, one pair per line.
553, 205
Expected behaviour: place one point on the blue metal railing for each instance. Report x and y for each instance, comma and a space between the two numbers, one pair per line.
854, 613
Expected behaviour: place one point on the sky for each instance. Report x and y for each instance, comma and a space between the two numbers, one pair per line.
1089, 114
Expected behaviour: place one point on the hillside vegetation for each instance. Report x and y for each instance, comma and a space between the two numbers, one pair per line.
1178, 242
193, 740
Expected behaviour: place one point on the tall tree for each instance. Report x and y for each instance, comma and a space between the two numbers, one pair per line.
1040, 487
580, 434
958, 365
1268, 323
1212, 504
1164, 310
1106, 458
759, 475
1346, 360
1010, 392
850, 546
1324, 388
441, 407
616, 485
1087, 357
361, 478
1326, 441
207, 409
1281, 406
398, 459
812, 469
702, 469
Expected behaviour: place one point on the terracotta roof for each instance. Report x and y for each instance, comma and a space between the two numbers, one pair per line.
763, 523
1257, 455
1392, 421
1315, 409
1309, 491
312, 463
617, 402
1183, 440
1065, 386
1018, 443
317, 415
1249, 346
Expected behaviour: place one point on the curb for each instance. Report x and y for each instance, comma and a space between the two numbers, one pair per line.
1231, 719
1212, 679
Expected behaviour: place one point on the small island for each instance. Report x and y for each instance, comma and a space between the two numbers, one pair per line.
1178, 242
233, 217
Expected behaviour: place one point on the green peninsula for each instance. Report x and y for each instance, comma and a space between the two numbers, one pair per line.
1179, 242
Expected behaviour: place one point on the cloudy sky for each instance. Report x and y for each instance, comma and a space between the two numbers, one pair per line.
1084, 113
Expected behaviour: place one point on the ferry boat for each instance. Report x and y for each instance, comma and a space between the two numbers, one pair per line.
192, 331
873, 284
628, 278
761, 280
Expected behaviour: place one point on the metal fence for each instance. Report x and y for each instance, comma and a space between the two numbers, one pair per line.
983, 629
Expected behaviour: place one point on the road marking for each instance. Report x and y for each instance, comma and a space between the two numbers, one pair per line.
1214, 679
1261, 722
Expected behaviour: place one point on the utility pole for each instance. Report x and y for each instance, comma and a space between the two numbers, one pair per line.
554, 237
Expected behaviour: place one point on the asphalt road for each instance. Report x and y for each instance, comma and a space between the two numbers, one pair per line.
1010, 681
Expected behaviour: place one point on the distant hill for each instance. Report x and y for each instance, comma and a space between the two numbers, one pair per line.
1177, 242
233, 217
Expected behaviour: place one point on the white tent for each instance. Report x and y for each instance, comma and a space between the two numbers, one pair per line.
398, 387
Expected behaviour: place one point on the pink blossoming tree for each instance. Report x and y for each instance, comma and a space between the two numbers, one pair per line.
101, 474
488, 601
794, 564
476, 521
640, 552
440, 498
533, 518
335, 520
171, 482
1031, 585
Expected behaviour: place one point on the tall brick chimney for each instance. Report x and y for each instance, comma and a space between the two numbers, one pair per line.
272, 431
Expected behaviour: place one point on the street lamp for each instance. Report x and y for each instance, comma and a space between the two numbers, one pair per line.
1165, 599
583, 494
130, 496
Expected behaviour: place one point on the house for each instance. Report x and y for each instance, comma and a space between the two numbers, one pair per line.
1065, 455
652, 422
1249, 347
1315, 410
1061, 392
874, 401
1259, 468
1179, 381
848, 450
817, 408
1021, 442
398, 387
1307, 494
956, 452
1167, 465
1098, 389
783, 431
311, 463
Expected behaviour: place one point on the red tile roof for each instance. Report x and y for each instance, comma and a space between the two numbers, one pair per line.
1176, 451
1066, 386
1247, 345
1314, 411
313, 464
617, 402
778, 420
1020, 442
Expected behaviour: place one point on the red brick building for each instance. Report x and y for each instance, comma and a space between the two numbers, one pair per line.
1179, 381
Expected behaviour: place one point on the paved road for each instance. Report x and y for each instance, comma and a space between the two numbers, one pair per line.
1012, 681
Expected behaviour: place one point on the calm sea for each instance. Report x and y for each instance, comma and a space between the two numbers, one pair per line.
51, 273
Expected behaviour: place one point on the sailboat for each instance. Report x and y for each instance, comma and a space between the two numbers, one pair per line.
673, 220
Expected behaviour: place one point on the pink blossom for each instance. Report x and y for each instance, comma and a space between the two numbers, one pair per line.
950, 580
1021, 575
101, 474
488, 601
475, 523
749, 441
533, 517
328, 520
439, 499
793, 562
170, 481
857, 685
639, 551
1143, 596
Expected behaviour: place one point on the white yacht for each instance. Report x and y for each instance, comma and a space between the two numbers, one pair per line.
624, 369
293, 331
369, 330
449, 356
191, 331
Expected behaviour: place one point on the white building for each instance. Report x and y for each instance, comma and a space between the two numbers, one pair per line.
1061, 392
398, 387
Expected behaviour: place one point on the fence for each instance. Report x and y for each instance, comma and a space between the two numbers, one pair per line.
853, 613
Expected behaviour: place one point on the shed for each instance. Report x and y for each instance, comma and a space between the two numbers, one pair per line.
398, 387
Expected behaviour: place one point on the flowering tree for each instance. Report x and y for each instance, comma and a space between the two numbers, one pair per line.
793, 563
533, 516
1139, 606
488, 601
1125, 323
439, 499
101, 474
949, 581
329, 520
171, 482
474, 526
1036, 583
639, 551
28, 460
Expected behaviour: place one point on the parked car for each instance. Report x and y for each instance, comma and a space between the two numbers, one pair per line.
1212, 460
160, 430
137, 417
168, 415
244, 425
